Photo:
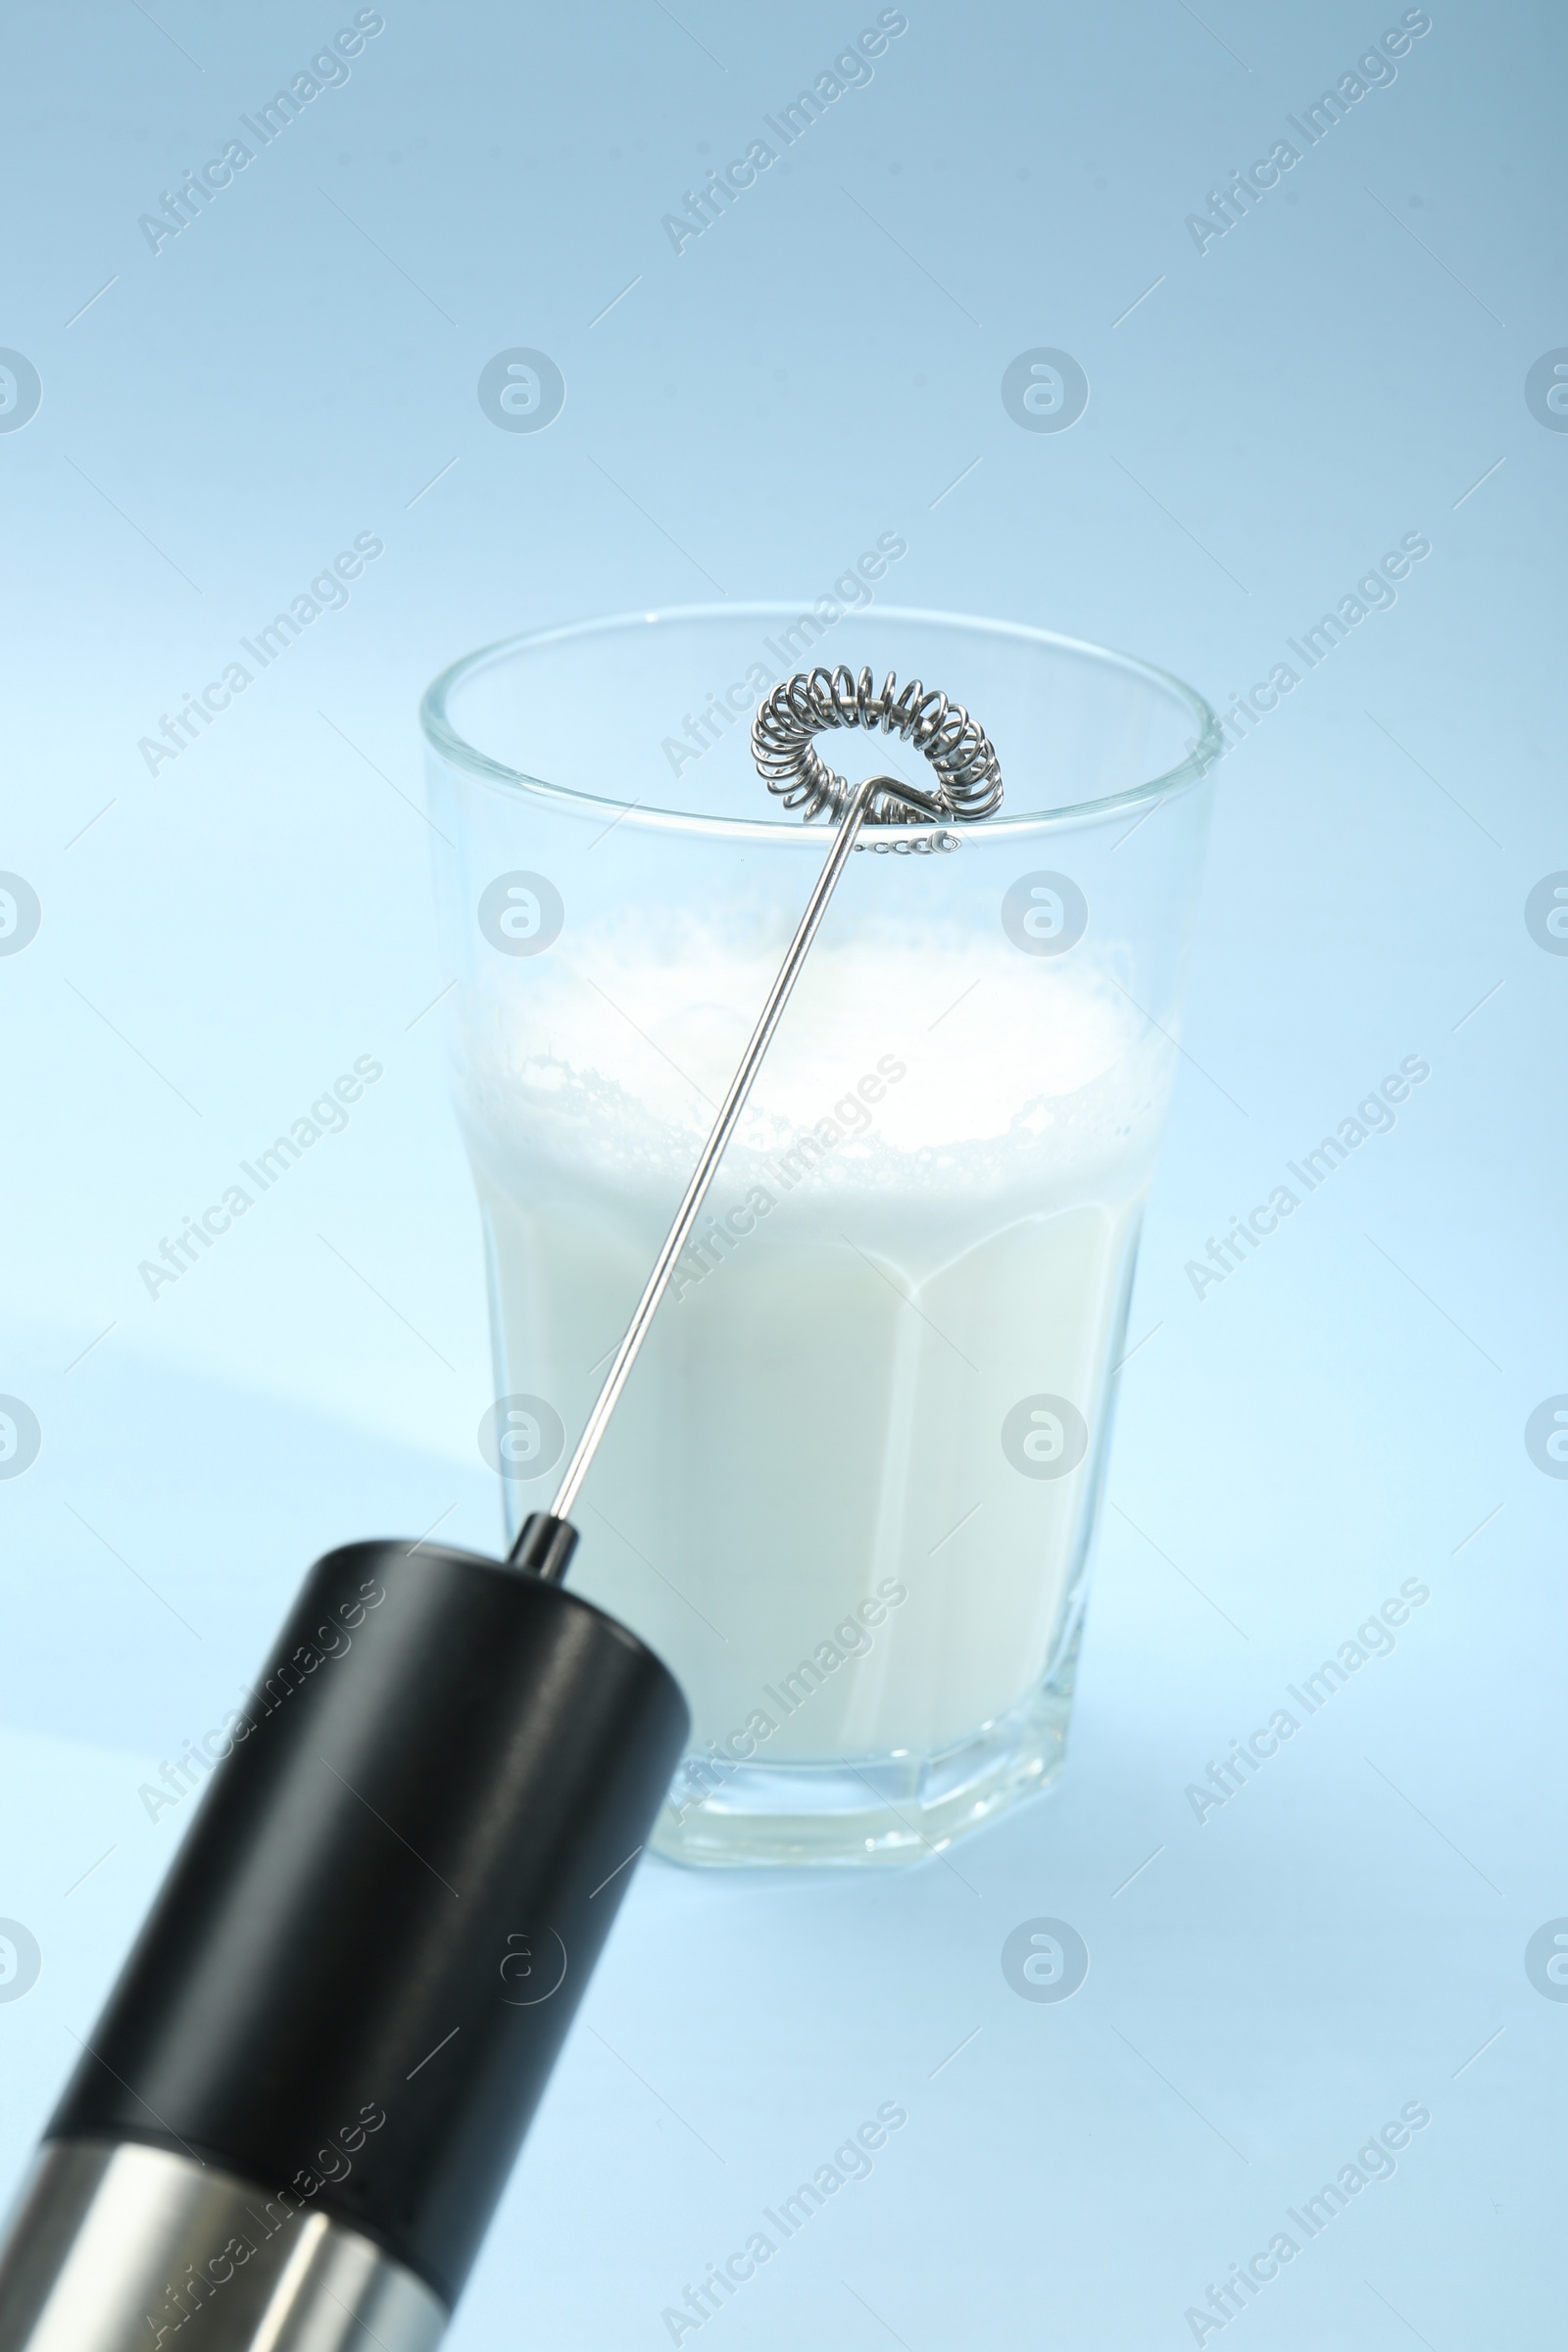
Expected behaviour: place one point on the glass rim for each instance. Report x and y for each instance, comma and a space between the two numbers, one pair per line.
443, 737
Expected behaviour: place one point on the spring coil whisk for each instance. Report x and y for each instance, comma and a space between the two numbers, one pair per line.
965, 767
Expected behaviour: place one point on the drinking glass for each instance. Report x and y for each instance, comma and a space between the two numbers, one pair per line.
850, 1490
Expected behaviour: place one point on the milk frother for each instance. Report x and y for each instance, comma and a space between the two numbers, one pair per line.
290, 2125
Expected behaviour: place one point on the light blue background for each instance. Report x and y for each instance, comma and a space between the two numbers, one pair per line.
1343, 367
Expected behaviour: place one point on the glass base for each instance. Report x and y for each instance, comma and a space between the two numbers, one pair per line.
884, 1809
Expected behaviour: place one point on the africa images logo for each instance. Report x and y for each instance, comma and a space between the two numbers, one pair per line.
20, 391
20, 1960
19, 1437
522, 390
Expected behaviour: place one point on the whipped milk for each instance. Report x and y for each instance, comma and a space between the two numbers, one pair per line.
928, 1219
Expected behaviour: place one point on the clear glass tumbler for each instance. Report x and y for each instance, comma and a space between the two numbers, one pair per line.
850, 1490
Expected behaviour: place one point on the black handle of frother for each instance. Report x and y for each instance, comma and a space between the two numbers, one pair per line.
364, 1959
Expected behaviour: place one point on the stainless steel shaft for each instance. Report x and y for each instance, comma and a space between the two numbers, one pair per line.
918, 804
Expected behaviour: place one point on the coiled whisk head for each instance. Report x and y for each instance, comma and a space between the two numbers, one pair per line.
964, 765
